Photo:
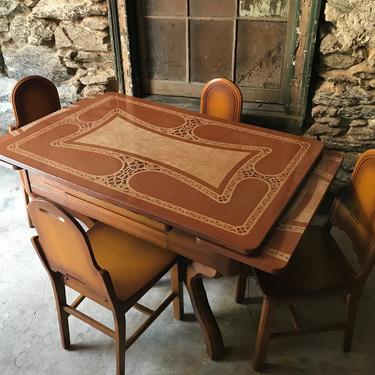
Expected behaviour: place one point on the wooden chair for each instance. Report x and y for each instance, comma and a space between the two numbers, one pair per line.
221, 98
104, 264
319, 268
33, 97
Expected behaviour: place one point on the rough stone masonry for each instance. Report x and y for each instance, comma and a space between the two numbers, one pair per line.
344, 99
66, 41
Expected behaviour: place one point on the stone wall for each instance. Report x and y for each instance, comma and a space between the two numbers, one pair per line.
66, 41
344, 99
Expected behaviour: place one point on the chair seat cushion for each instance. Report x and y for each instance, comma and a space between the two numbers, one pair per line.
317, 265
131, 262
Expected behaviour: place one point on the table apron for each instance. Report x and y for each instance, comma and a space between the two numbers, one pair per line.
150, 230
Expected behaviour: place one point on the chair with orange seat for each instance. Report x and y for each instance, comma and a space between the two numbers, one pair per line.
103, 264
34, 97
319, 267
222, 98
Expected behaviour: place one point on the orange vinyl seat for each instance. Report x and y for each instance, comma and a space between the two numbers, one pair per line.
103, 264
110, 245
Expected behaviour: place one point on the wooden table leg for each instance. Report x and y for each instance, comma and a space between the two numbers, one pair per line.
245, 273
202, 310
177, 279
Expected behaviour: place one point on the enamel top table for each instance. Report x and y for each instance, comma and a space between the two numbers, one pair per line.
208, 189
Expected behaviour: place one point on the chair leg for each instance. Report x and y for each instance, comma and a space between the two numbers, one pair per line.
27, 201
60, 299
352, 302
242, 283
177, 280
264, 333
120, 341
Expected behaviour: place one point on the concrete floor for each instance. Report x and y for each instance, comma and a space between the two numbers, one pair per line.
30, 343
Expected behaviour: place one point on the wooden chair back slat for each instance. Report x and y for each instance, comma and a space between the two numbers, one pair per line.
34, 97
221, 98
65, 245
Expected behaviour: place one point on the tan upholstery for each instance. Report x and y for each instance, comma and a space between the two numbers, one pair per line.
131, 262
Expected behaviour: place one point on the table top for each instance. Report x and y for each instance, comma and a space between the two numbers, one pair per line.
222, 181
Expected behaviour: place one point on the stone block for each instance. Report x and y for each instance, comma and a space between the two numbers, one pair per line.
358, 123
7, 7
322, 130
69, 9
353, 22
332, 122
338, 60
93, 90
88, 57
350, 160
368, 111
18, 30
30, 59
342, 179
6, 87
342, 95
6, 117
40, 31
365, 133
347, 143
340, 76
94, 77
371, 57
68, 92
30, 3
363, 70
4, 25
73, 35
323, 110
354, 112
95, 23
329, 44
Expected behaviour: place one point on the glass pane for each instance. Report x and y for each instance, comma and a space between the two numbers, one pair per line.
260, 51
213, 8
264, 8
164, 7
210, 49
165, 49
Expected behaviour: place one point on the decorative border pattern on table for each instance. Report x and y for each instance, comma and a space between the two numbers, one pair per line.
131, 165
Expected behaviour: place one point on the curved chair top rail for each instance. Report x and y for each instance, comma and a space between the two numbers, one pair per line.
221, 98
34, 97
